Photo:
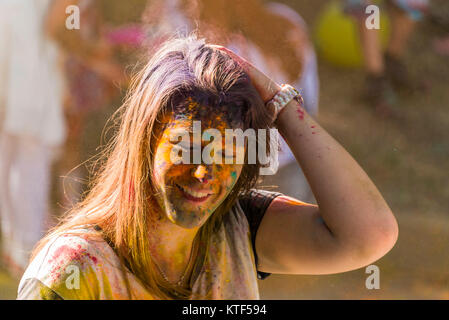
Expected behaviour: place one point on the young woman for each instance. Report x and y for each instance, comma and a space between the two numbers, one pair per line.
154, 229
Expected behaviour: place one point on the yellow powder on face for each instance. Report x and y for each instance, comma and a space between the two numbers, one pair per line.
192, 105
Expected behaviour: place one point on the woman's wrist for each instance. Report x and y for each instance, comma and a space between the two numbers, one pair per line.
282, 99
272, 90
292, 115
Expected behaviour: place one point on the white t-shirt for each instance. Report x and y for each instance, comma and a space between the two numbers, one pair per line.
225, 267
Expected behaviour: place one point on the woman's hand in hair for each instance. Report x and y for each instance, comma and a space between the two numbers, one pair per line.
266, 87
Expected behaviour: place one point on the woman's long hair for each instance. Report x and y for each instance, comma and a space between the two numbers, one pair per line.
121, 200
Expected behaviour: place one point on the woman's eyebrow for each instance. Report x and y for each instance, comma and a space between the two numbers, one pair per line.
182, 130
175, 134
218, 147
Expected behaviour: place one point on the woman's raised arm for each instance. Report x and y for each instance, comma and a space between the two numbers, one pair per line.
351, 227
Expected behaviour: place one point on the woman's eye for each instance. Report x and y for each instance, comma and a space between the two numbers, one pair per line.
222, 153
188, 148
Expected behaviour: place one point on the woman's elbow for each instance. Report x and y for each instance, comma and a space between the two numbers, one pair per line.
379, 240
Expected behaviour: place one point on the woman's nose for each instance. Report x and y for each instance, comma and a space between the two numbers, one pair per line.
202, 173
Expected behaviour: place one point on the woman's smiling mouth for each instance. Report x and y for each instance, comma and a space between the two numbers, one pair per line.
192, 195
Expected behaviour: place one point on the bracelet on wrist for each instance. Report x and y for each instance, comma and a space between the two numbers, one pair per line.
282, 98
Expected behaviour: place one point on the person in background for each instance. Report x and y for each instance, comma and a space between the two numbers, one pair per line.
32, 127
95, 58
280, 46
438, 14
386, 72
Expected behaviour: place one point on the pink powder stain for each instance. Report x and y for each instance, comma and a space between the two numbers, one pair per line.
65, 254
312, 126
300, 113
94, 259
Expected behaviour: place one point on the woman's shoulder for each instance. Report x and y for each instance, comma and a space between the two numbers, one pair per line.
70, 260
255, 202
80, 246
250, 207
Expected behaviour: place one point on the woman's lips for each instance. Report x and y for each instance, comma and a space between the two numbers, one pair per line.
193, 195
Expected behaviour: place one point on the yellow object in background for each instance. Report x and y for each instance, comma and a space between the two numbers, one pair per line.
337, 36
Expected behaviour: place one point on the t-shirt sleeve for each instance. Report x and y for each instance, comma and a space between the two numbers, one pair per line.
66, 268
254, 204
34, 289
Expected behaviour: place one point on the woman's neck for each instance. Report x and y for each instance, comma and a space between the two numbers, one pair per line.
171, 247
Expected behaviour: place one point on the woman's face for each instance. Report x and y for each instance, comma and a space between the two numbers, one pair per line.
188, 193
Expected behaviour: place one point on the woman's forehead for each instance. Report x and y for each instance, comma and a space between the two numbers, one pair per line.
190, 124
219, 115
207, 117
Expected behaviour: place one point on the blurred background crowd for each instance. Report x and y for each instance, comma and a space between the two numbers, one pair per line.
381, 92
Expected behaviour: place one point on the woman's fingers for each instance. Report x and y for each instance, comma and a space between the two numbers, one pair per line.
266, 87
246, 65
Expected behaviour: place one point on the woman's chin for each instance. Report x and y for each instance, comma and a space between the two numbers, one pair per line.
188, 221
187, 224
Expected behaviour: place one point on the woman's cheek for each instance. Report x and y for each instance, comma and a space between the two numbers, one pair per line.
235, 173
162, 167
162, 157
229, 176
159, 167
